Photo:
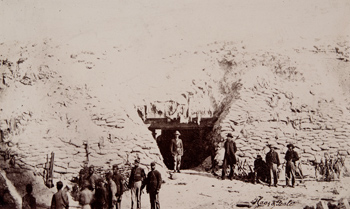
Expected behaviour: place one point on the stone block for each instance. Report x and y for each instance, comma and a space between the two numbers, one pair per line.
319, 143
74, 164
334, 145
343, 152
315, 148
100, 122
59, 169
307, 156
324, 147
256, 138
257, 148
240, 154
245, 148
307, 149
248, 155
261, 144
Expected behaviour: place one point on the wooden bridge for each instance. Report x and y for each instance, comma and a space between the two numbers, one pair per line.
168, 124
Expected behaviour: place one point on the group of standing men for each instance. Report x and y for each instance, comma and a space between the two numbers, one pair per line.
264, 171
97, 193
138, 180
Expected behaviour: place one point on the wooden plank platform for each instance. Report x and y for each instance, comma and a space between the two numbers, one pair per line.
164, 123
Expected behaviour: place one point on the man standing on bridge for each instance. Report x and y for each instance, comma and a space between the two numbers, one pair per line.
177, 151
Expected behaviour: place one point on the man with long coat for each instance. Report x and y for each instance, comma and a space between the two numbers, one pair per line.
177, 151
153, 183
291, 157
229, 157
273, 161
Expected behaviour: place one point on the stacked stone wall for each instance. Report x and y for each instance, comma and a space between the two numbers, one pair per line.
260, 116
42, 113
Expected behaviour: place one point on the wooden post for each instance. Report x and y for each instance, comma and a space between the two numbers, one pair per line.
49, 179
87, 151
46, 169
146, 112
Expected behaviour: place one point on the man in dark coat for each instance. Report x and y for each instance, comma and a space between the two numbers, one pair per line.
153, 183
260, 170
273, 161
177, 151
93, 177
100, 196
119, 182
137, 176
60, 198
229, 157
111, 191
291, 157
29, 201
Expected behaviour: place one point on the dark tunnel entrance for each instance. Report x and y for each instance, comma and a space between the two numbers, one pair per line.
197, 146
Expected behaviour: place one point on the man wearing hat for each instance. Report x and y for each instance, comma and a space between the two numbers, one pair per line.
137, 176
119, 182
229, 157
153, 183
177, 150
273, 161
93, 177
291, 157
260, 169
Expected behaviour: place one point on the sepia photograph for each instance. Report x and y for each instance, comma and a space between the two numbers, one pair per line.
195, 104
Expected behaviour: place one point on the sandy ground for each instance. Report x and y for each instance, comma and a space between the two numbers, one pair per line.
144, 32
195, 189
205, 191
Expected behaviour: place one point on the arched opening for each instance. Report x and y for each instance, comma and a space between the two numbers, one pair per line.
196, 145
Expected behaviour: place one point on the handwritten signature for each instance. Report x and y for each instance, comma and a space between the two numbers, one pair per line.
274, 203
